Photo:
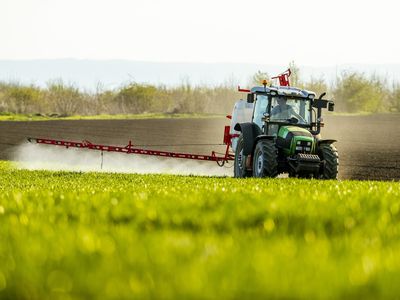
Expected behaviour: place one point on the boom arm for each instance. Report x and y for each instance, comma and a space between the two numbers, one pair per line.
130, 149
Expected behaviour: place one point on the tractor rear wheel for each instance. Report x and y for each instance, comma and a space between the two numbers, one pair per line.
240, 170
329, 155
265, 163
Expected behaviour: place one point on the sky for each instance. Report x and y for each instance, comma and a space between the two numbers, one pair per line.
310, 32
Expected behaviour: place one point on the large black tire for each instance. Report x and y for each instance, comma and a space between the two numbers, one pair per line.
265, 163
330, 157
239, 170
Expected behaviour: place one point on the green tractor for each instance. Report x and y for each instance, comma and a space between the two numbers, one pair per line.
282, 135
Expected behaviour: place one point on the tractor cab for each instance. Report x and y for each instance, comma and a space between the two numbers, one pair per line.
276, 107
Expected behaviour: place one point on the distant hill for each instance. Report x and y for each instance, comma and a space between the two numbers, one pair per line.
112, 73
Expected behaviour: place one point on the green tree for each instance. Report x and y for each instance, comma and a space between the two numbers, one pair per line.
316, 85
258, 78
295, 79
394, 98
23, 99
137, 98
65, 99
356, 93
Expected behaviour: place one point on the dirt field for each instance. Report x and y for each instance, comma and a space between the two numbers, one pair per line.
369, 146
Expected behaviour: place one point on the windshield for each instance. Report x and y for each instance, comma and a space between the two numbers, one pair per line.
283, 109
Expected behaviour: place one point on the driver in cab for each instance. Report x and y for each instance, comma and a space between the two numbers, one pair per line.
283, 111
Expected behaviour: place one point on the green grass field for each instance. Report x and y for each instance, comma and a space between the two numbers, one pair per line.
67, 235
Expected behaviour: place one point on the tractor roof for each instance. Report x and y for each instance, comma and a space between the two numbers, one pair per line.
283, 90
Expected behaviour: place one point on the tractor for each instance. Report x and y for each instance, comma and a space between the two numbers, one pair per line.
277, 130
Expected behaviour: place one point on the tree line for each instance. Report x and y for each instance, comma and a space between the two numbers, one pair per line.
352, 91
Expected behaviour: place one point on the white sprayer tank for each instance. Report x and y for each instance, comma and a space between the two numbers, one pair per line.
242, 112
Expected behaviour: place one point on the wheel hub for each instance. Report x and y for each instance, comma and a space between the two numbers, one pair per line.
259, 163
240, 160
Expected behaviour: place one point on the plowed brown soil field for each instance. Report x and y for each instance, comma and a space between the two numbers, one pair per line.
369, 146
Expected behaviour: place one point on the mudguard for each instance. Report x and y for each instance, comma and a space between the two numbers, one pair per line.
263, 137
320, 142
250, 132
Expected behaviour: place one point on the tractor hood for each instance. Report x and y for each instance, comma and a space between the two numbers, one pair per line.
293, 140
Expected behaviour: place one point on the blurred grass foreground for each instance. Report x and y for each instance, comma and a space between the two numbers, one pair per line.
66, 235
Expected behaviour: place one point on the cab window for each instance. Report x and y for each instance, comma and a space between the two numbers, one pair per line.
259, 109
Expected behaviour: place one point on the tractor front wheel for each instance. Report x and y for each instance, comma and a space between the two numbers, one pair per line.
240, 170
265, 162
330, 157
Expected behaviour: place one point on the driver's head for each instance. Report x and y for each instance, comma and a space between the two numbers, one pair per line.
281, 100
